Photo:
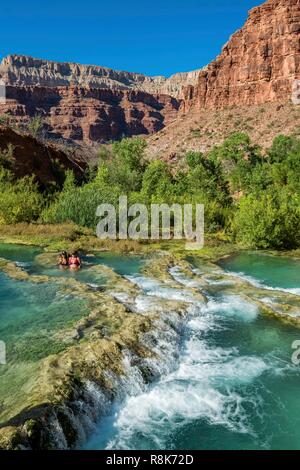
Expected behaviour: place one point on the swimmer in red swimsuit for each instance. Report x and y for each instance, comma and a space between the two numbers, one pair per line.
74, 261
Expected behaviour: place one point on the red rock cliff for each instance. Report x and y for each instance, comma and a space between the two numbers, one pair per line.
259, 64
90, 115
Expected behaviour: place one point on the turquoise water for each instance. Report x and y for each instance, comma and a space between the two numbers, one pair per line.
121, 264
273, 271
25, 258
32, 319
31, 314
35, 316
18, 253
125, 265
235, 386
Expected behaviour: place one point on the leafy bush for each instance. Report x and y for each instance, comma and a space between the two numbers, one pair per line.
238, 158
282, 146
271, 220
20, 201
79, 204
252, 196
157, 184
7, 157
126, 164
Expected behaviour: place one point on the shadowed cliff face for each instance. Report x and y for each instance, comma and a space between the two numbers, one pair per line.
259, 64
31, 157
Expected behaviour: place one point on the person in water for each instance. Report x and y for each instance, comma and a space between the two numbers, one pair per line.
63, 259
74, 261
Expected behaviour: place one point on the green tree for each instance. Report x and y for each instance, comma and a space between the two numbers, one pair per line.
78, 204
157, 184
271, 220
282, 146
125, 164
238, 157
194, 159
131, 153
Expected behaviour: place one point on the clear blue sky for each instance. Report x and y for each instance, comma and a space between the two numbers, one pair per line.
155, 37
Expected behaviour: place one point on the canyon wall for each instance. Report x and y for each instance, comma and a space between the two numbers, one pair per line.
22, 71
90, 115
90, 104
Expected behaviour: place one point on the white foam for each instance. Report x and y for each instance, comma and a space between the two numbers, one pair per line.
215, 282
177, 274
189, 394
93, 285
157, 289
233, 305
203, 387
144, 303
170, 406
200, 382
121, 297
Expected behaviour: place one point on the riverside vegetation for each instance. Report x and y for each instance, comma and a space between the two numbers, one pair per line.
251, 196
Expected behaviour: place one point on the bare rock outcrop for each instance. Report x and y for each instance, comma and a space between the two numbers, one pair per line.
89, 104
